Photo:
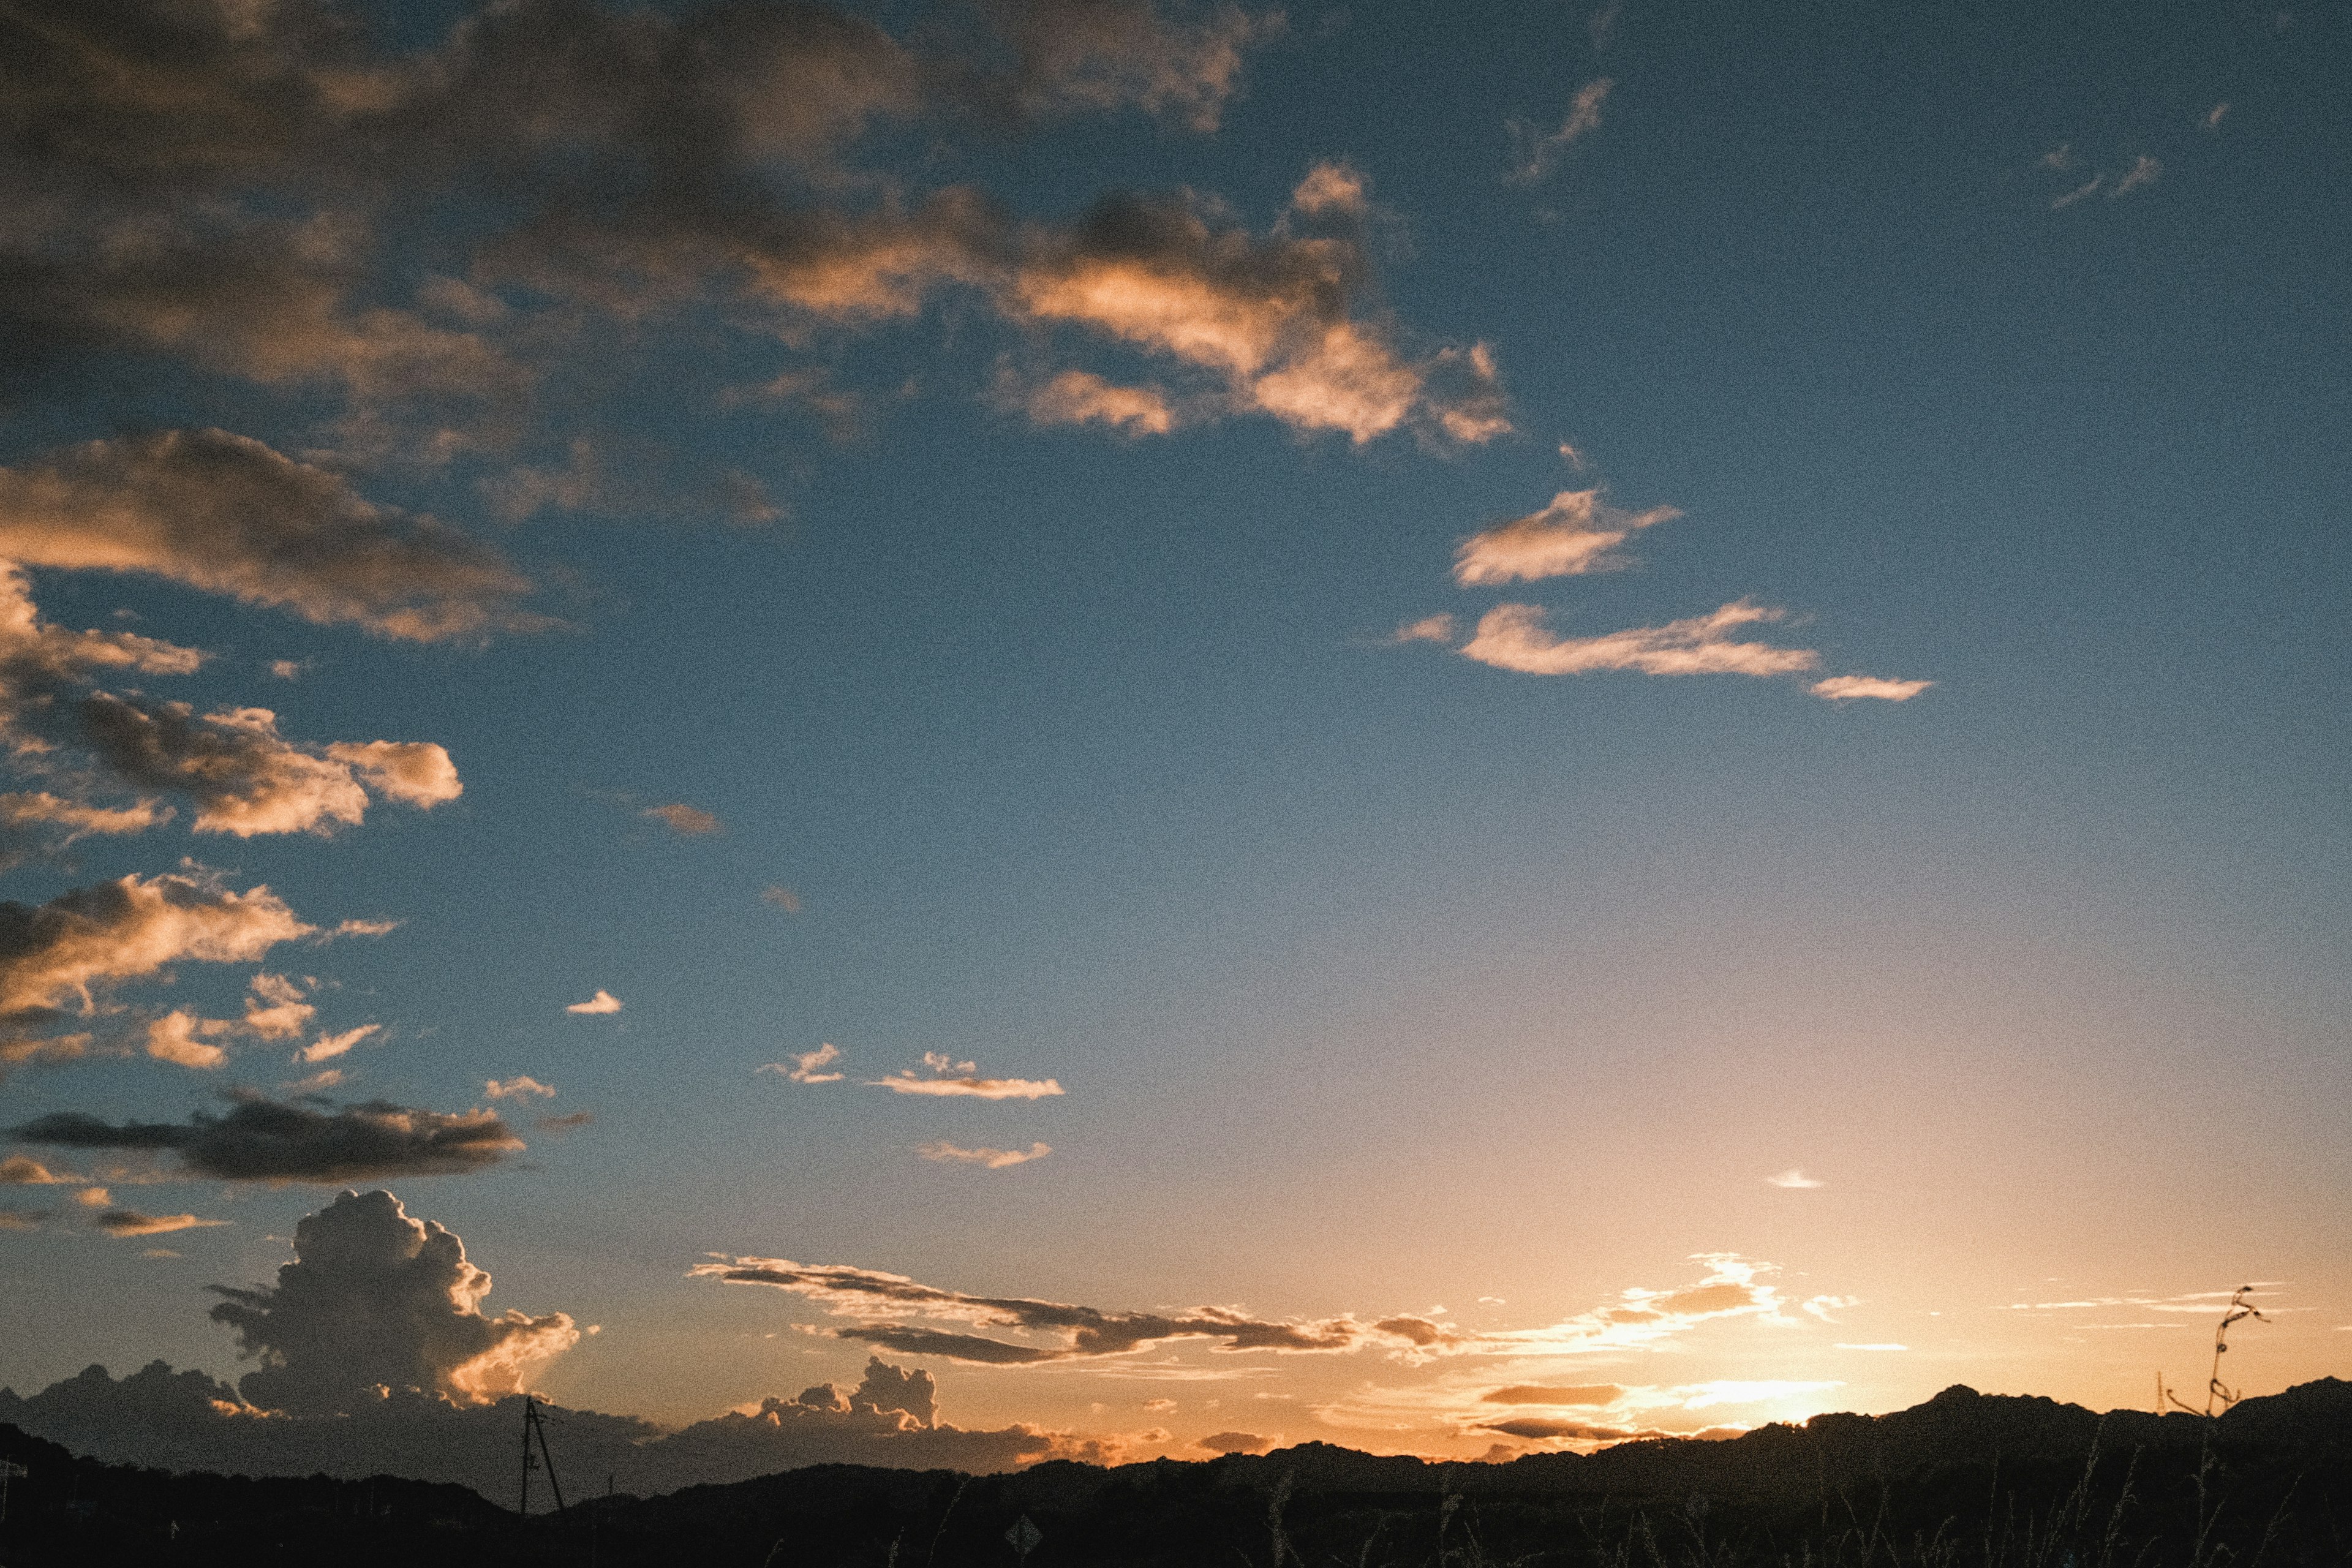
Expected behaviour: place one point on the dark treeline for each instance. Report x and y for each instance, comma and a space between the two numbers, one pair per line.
1966, 1479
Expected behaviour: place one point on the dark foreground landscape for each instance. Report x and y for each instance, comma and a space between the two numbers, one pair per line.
1996, 1481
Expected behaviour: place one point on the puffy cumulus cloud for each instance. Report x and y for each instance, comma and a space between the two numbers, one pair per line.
1845, 687
988, 1159
950, 1078
263, 1140
682, 818
178, 1036
809, 1066
230, 516
522, 1087
1272, 319
1234, 1443
1080, 1332
247, 779
374, 1298
187, 1421
1576, 533
603, 1001
62, 956
277, 1007
1514, 638
130, 1222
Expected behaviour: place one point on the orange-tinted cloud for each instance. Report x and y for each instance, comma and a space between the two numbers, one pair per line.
1845, 687
948, 1078
1513, 636
989, 1159
130, 1222
1576, 533
61, 954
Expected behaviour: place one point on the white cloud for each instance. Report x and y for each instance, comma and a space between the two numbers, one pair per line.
954, 1077
1792, 1178
522, 1087
603, 1001
1845, 687
326, 1047
809, 1066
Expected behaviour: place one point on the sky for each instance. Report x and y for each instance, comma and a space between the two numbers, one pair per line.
1457, 729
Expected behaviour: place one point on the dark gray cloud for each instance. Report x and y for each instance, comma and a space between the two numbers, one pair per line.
1083, 1332
230, 516
263, 1140
374, 1298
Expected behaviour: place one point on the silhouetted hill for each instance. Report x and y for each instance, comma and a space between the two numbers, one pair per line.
1985, 1476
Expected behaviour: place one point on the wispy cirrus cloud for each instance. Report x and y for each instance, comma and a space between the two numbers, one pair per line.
987, 1159
1576, 532
1514, 638
1538, 150
680, 817
1846, 688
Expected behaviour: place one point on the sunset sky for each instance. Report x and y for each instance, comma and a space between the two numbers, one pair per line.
1457, 729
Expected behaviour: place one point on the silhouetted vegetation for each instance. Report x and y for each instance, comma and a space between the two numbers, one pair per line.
1966, 1479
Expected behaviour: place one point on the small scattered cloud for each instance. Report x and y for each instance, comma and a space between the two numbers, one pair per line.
1513, 637
524, 1088
1539, 151
277, 1007
173, 1037
603, 1001
315, 1083
990, 1159
682, 818
1234, 1443
809, 1066
2213, 116
1437, 628
1576, 533
24, 1171
327, 1048
130, 1222
954, 1077
1593, 1394
1846, 688
2087, 188
559, 1125
2143, 172
2060, 157
287, 669
1082, 398
1160, 1407
1331, 188
1793, 1179
22, 1219
781, 897
1602, 24
1572, 457
365, 928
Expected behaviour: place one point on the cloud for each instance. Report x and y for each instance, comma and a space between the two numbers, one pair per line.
1082, 398
24, 1171
559, 1125
374, 1297
1082, 1332
1331, 188
1578, 1394
1793, 1179
79, 818
1234, 1443
2067, 199
1574, 534
2143, 172
603, 1001
1872, 1347
951, 1078
1845, 687
263, 1140
2213, 116
228, 515
175, 1038
365, 928
1539, 151
781, 897
683, 818
808, 1067
327, 1048
22, 1219
61, 955
992, 1159
1437, 628
518, 1089
1512, 637
130, 1222
413, 773
277, 1010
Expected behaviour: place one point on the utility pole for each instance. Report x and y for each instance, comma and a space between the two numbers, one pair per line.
534, 1425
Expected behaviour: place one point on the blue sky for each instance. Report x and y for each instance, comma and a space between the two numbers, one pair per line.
2004, 351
